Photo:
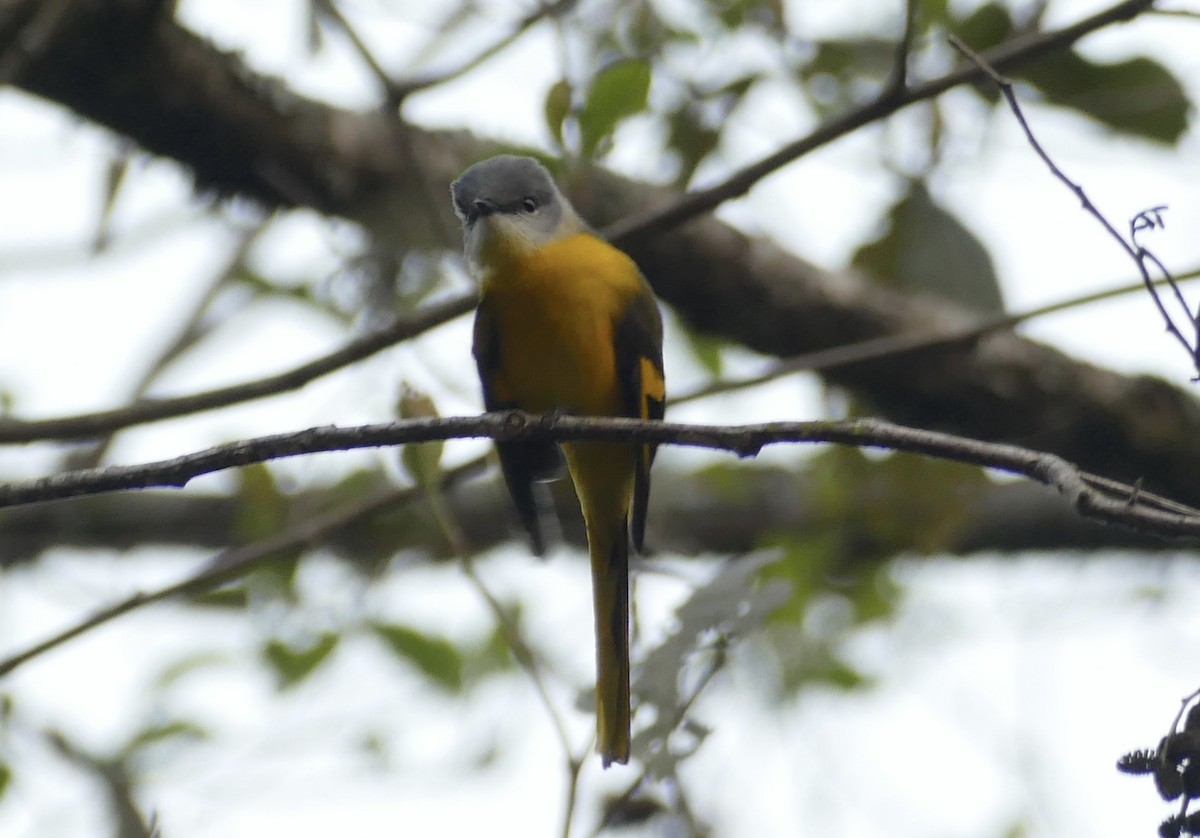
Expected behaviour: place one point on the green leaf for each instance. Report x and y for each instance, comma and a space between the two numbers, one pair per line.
494, 654
926, 250
931, 12
1137, 96
293, 664
421, 460
738, 14
262, 508
735, 602
805, 564
694, 128
705, 349
899, 503
189, 664
556, 107
851, 58
262, 511
236, 597
155, 734
5, 778
988, 26
690, 139
618, 92
436, 657
806, 662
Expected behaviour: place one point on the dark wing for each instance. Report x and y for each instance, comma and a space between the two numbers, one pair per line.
638, 337
521, 462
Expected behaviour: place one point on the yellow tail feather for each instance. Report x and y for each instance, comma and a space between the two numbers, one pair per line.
603, 475
610, 591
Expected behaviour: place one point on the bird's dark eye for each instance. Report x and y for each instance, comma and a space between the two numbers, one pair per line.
529, 205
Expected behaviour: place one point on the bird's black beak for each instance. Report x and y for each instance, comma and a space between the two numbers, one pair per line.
479, 208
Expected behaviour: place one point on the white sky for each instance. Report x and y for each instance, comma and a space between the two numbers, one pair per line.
1007, 688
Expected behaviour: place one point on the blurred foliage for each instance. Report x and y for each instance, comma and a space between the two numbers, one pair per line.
293, 663
1137, 96
618, 92
160, 733
733, 603
868, 508
926, 250
437, 658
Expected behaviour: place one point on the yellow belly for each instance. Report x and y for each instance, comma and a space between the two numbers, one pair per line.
554, 310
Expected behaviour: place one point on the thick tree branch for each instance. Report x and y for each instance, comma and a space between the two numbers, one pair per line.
1101, 499
688, 516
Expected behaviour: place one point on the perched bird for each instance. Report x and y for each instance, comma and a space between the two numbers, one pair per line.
566, 322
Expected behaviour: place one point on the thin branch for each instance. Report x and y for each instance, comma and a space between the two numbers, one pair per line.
85, 425
1143, 220
893, 346
114, 775
389, 85
885, 104
1122, 506
397, 91
538, 14
898, 80
1184, 13
236, 561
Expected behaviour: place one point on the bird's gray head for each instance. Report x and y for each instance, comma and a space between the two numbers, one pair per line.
509, 205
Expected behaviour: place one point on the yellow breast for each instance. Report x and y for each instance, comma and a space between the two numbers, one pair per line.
554, 308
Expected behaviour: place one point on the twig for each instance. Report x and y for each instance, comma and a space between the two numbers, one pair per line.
231, 563
397, 91
886, 103
85, 425
113, 773
538, 14
898, 80
1185, 13
389, 85
744, 440
1138, 254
